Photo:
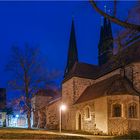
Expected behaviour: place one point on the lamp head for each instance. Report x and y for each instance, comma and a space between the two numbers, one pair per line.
63, 107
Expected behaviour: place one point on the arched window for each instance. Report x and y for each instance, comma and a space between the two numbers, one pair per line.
117, 111
87, 112
132, 110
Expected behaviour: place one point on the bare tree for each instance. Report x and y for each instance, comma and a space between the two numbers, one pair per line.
29, 74
113, 18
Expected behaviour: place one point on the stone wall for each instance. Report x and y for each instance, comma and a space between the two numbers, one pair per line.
35, 118
68, 119
97, 122
121, 125
73, 88
87, 124
52, 115
101, 119
136, 76
71, 91
67, 92
42, 118
38, 103
79, 85
118, 126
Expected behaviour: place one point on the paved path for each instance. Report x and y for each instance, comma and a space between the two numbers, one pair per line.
91, 137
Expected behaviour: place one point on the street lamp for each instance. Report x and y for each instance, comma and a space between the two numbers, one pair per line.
62, 108
17, 116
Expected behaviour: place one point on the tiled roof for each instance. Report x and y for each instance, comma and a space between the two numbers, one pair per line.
54, 100
115, 85
83, 70
47, 92
126, 56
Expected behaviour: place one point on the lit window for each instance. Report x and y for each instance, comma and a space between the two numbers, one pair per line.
132, 110
87, 112
116, 110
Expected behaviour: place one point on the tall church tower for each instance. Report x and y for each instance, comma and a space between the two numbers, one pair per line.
105, 46
72, 51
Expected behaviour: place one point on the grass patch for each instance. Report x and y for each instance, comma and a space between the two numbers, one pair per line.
37, 136
132, 135
33, 134
74, 132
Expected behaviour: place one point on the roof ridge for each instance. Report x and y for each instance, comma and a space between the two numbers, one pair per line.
84, 63
129, 83
106, 87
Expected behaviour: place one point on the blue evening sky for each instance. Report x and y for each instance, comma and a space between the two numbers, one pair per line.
48, 25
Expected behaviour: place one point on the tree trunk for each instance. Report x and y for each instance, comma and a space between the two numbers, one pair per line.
27, 98
29, 119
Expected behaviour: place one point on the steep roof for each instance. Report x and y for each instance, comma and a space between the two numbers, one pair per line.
126, 56
72, 51
54, 100
47, 92
116, 85
83, 70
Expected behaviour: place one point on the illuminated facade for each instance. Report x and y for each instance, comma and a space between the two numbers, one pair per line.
2, 107
104, 98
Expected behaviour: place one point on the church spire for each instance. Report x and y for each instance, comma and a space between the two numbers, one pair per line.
100, 43
72, 51
110, 30
105, 46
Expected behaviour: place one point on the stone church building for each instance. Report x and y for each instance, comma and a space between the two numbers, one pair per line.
103, 98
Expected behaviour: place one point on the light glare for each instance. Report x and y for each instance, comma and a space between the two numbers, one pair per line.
63, 107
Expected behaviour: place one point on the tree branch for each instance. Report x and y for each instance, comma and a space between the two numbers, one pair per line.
115, 20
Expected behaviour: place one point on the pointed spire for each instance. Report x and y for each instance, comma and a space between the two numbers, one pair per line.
101, 36
105, 22
105, 26
105, 46
72, 51
109, 29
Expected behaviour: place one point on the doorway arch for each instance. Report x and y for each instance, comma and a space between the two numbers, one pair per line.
79, 121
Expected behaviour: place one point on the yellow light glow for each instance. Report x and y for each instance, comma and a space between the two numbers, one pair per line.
63, 107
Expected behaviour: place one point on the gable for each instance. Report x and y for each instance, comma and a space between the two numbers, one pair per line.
115, 85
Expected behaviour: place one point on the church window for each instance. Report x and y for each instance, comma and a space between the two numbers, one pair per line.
132, 110
87, 112
117, 110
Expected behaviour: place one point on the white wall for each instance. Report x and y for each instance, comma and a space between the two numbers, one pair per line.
101, 114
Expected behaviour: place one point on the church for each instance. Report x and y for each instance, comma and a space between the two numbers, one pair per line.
101, 99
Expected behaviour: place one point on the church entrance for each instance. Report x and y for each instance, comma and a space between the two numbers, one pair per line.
79, 122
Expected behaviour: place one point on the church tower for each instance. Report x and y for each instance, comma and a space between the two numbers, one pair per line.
72, 51
105, 46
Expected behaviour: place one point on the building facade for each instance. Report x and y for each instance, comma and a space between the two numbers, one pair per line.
2, 98
2, 107
104, 98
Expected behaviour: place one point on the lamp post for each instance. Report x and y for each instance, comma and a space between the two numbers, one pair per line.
62, 108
